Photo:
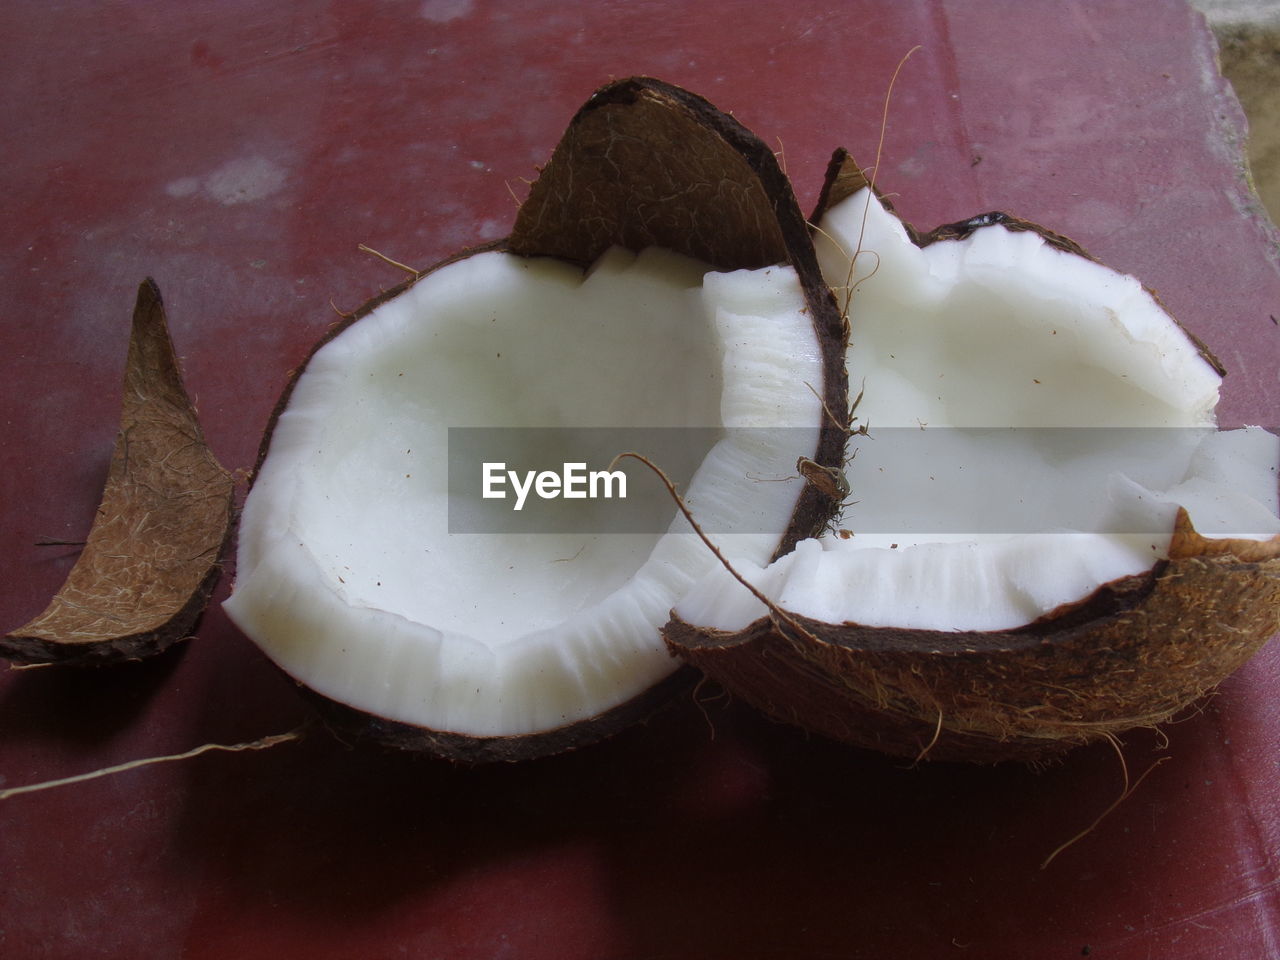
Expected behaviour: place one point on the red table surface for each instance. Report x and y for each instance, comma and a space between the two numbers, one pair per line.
238, 152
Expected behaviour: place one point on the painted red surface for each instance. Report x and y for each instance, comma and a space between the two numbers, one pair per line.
238, 152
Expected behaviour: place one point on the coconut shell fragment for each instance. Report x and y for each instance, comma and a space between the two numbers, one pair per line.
154, 553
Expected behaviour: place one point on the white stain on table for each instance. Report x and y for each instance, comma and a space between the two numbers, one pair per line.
242, 180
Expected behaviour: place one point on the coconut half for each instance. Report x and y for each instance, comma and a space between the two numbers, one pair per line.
1047, 539
660, 277
154, 553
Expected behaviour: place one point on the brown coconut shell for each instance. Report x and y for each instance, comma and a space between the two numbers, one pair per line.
642, 163
155, 550
645, 163
1134, 653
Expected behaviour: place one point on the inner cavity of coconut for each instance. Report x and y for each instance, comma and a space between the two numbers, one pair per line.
1034, 422
348, 574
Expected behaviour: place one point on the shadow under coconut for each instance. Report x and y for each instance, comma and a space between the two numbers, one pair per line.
803, 847
82, 707
710, 831
327, 836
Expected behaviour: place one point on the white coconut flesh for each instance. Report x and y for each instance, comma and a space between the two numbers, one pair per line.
347, 574
995, 483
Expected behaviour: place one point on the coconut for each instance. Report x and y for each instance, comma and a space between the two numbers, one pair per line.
1047, 540
659, 277
154, 552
